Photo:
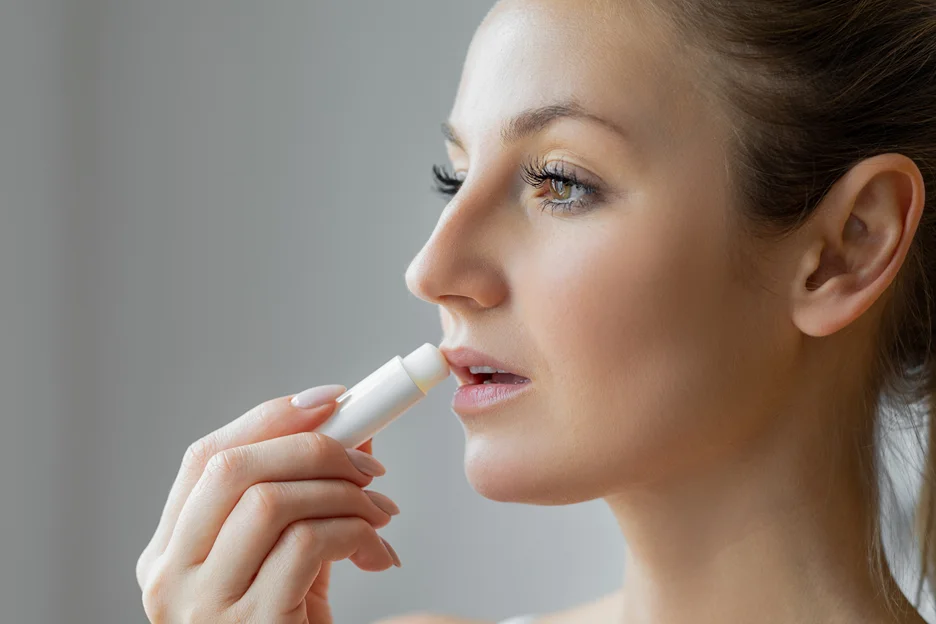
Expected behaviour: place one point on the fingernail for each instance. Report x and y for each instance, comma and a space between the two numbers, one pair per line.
366, 463
383, 501
319, 395
393, 555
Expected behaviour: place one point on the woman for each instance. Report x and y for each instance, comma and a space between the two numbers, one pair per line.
697, 230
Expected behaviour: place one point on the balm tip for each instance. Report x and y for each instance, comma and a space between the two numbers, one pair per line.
427, 366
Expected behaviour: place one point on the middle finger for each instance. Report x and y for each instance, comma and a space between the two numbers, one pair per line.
296, 457
270, 419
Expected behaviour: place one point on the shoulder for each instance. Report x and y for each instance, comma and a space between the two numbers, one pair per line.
427, 618
600, 609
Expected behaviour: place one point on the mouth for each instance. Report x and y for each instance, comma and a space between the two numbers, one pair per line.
472, 368
484, 375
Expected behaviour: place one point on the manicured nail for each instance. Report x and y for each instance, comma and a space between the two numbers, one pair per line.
384, 502
319, 395
393, 555
366, 463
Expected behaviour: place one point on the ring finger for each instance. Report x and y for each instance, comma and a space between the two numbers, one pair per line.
266, 509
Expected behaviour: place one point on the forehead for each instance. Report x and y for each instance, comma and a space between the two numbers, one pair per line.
613, 58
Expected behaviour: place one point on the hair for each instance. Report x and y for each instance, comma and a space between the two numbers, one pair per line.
813, 87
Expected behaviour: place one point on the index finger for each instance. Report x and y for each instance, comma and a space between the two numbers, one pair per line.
271, 419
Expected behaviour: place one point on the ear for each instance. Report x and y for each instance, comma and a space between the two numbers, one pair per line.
856, 242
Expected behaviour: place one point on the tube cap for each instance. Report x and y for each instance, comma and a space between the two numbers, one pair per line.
427, 367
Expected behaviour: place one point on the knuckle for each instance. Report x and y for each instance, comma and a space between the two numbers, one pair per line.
227, 464
302, 535
264, 411
361, 528
199, 453
261, 415
156, 594
142, 565
317, 444
244, 611
371, 512
351, 492
201, 613
265, 500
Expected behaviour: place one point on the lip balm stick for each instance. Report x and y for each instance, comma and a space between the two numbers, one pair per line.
383, 396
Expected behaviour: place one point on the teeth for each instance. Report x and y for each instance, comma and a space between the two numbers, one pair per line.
485, 369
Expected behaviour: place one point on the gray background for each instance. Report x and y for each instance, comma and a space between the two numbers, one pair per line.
207, 204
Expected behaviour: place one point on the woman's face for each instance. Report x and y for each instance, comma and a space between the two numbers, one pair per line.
647, 356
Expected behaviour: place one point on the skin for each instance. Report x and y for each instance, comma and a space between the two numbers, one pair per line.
717, 416
260, 509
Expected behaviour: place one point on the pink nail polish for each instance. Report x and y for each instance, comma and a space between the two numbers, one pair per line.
319, 395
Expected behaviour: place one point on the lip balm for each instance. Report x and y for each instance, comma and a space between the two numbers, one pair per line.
384, 395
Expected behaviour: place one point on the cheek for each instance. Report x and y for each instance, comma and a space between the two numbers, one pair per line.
629, 315
610, 297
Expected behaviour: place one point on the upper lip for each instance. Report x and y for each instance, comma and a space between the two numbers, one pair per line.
462, 358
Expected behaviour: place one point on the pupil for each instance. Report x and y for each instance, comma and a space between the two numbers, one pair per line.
561, 189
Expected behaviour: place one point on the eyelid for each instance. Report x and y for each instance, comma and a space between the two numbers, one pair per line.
535, 174
539, 168
535, 171
561, 166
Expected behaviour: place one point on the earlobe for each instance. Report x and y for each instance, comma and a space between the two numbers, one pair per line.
859, 239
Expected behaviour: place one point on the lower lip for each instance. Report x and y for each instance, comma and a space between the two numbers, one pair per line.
477, 398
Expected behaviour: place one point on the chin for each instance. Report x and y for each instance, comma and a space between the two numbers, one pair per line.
512, 475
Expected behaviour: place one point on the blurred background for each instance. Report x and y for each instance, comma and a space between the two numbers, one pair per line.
207, 204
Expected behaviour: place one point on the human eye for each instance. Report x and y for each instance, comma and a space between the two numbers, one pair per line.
569, 193
445, 183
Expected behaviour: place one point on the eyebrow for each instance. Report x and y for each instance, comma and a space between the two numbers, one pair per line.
534, 120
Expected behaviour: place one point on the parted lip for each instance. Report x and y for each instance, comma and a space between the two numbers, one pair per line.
462, 358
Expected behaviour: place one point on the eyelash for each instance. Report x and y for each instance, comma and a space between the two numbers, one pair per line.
536, 175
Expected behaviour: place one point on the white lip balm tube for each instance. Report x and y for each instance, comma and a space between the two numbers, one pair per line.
383, 396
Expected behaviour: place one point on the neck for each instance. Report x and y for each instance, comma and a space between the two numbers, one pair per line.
781, 533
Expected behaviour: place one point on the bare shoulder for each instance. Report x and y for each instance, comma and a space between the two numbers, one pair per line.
428, 618
603, 609
600, 609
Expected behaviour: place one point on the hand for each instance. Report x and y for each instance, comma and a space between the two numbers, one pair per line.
259, 510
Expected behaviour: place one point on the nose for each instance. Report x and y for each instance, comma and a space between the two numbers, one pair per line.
460, 265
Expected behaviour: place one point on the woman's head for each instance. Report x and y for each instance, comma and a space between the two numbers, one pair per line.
735, 252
